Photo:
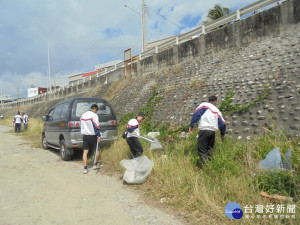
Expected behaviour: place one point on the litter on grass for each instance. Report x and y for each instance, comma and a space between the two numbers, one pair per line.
273, 160
137, 169
155, 145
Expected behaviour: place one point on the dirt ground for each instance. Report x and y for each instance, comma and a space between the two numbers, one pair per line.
37, 187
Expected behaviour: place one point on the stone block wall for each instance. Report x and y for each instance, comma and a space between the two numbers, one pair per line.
273, 63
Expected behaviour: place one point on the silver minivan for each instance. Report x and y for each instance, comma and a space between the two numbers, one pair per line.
62, 124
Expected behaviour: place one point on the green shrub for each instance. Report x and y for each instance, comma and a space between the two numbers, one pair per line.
126, 117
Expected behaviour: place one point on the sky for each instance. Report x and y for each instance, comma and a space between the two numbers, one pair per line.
83, 33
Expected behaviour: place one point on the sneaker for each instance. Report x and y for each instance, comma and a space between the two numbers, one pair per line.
97, 166
85, 171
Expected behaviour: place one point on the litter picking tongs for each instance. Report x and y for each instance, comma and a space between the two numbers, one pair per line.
155, 144
96, 152
147, 139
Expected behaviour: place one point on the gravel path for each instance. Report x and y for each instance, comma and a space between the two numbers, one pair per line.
39, 188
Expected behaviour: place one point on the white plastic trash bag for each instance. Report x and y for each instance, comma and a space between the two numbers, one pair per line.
153, 134
155, 145
272, 160
286, 161
137, 169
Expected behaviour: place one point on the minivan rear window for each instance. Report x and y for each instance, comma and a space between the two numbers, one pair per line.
81, 107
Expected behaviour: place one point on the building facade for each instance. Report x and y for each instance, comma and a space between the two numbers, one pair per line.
31, 92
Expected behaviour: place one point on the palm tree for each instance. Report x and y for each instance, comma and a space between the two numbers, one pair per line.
217, 11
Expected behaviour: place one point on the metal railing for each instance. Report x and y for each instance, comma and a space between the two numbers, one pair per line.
234, 16
202, 30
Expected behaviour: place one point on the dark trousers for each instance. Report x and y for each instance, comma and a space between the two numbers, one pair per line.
25, 126
135, 146
17, 127
206, 142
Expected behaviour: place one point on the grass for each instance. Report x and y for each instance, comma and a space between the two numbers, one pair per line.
33, 133
232, 176
116, 87
200, 194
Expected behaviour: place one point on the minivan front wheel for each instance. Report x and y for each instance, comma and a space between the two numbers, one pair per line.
64, 151
44, 142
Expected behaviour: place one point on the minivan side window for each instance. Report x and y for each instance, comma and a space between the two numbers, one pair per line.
57, 111
64, 111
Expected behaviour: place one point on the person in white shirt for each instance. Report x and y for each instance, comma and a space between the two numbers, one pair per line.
210, 120
17, 122
25, 121
89, 123
133, 134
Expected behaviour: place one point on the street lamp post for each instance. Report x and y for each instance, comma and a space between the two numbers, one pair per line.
48, 71
1, 94
144, 25
144, 41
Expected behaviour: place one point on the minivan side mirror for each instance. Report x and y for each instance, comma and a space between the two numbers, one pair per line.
45, 118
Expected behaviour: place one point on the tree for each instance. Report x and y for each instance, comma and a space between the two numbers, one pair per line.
217, 11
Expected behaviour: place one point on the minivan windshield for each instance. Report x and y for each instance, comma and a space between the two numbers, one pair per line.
81, 107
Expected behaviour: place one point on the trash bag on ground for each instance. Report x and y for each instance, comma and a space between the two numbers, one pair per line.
272, 160
286, 161
155, 145
137, 169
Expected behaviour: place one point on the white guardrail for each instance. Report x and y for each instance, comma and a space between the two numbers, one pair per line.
202, 30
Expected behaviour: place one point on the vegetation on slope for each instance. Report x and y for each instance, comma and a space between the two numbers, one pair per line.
200, 193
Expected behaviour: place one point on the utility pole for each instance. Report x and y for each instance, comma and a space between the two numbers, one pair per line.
144, 26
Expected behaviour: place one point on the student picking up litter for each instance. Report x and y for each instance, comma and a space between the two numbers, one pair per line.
133, 134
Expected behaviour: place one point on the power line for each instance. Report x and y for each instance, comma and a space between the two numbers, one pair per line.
147, 9
171, 17
107, 60
163, 16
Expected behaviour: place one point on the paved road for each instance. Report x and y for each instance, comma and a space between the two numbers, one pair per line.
38, 188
